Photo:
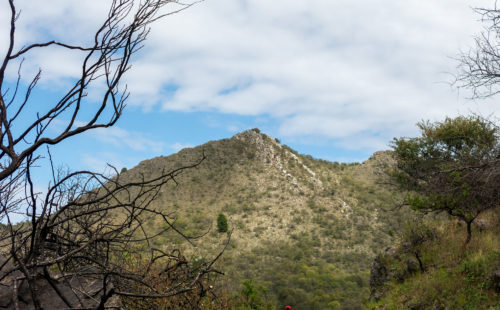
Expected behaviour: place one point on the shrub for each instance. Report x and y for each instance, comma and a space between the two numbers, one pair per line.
222, 223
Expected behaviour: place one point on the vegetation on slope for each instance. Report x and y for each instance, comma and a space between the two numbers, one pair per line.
453, 279
307, 232
453, 168
303, 230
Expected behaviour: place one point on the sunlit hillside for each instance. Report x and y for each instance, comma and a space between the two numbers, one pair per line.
305, 229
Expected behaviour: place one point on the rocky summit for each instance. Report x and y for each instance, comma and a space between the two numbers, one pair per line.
305, 229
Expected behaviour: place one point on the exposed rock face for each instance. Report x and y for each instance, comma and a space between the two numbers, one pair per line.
388, 266
49, 299
412, 265
495, 279
269, 151
380, 273
82, 291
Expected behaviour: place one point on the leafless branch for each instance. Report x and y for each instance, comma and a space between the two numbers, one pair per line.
85, 240
479, 68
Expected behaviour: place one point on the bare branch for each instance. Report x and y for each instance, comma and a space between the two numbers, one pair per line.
80, 236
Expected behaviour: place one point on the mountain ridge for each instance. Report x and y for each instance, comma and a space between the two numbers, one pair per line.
285, 209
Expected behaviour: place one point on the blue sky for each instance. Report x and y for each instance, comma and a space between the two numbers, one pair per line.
337, 79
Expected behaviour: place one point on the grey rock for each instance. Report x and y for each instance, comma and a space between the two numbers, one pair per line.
482, 224
380, 273
82, 291
495, 279
412, 265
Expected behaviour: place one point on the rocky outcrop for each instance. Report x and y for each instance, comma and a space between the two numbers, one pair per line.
391, 264
412, 265
80, 291
269, 151
495, 280
381, 273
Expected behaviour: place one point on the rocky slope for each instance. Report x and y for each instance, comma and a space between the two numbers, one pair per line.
306, 229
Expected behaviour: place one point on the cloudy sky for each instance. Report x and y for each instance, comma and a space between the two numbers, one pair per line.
337, 79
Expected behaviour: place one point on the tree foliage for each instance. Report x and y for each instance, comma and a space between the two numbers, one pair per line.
414, 235
452, 167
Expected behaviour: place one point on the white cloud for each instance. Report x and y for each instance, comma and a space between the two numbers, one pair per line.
119, 137
340, 69
355, 71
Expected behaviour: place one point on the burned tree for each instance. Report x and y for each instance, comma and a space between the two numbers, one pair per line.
479, 68
85, 241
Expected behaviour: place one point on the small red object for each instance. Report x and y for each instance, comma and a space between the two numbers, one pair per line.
288, 308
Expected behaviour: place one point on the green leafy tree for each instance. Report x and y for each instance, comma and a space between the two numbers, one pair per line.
253, 296
414, 235
452, 167
222, 223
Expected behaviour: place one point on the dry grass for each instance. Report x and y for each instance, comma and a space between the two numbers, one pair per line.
271, 195
456, 278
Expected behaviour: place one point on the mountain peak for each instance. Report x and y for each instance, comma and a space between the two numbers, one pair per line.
283, 207
255, 136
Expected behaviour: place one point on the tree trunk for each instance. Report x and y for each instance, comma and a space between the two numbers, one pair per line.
417, 256
469, 232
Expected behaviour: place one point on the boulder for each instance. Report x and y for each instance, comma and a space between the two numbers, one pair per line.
412, 265
81, 291
482, 224
495, 280
380, 272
